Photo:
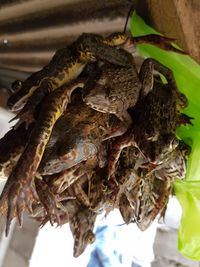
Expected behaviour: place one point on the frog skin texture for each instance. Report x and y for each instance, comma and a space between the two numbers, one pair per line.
155, 118
144, 195
58, 78
68, 63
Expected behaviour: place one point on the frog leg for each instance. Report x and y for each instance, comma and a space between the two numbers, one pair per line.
154, 39
121, 39
26, 115
15, 206
19, 191
162, 200
79, 192
184, 119
116, 128
49, 200
10, 151
126, 179
66, 178
102, 154
146, 77
125, 118
16, 85
118, 145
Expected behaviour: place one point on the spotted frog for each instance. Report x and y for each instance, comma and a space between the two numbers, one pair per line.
155, 118
65, 66
147, 193
81, 133
68, 63
19, 191
117, 88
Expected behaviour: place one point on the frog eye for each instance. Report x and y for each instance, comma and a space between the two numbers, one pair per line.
174, 143
153, 137
16, 85
90, 237
113, 98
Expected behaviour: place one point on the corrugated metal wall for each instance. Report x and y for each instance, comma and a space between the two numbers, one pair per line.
31, 31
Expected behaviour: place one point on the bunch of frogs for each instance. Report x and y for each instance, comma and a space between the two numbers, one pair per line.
66, 146
141, 188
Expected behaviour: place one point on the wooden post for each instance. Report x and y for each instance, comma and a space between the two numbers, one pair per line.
179, 19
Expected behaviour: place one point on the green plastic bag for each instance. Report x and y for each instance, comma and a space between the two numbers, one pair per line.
187, 75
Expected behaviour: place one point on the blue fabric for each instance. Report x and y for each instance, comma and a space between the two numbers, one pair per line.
105, 252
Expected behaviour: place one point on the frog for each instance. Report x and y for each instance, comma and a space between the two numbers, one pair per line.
150, 192
101, 194
82, 115
117, 88
148, 203
55, 103
87, 184
82, 134
153, 131
51, 202
56, 192
64, 67
68, 63
19, 191
81, 223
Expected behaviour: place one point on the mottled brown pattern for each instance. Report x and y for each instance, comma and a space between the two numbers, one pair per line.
80, 138
62, 173
22, 177
155, 119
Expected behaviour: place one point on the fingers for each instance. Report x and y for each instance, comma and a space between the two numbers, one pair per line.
18, 199
20, 208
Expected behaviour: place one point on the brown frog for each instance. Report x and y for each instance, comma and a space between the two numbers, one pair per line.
114, 89
84, 122
155, 118
81, 222
19, 192
81, 133
118, 88
68, 63
148, 193
65, 66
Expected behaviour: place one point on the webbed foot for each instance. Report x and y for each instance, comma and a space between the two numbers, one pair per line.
25, 117
184, 119
19, 196
49, 201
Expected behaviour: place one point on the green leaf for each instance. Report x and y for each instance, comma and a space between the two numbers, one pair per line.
187, 75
